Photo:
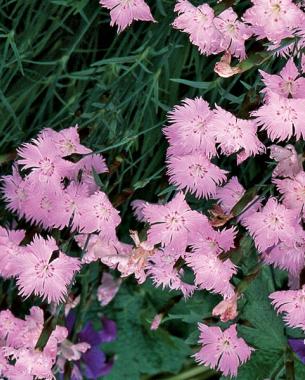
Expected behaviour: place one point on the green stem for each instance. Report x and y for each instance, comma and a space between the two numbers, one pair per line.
204, 373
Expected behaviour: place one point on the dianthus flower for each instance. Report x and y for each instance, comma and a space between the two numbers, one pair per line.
42, 275
288, 83
288, 256
198, 23
282, 118
9, 250
222, 350
162, 270
235, 135
292, 304
226, 309
108, 288
211, 273
233, 32
274, 19
289, 163
124, 12
273, 224
188, 130
293, 191
195, 173
170, 224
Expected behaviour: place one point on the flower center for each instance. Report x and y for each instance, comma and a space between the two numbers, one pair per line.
47, 166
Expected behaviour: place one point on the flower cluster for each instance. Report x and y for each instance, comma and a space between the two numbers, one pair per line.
19, 358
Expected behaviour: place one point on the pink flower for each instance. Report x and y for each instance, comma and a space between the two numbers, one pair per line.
170, 224
9, 250
85, 167
137, 207
224, 69
282, 118
156, 321
293, 191
226, 309
42, 275
234, 33
108, 288
195, 173
66, 141
162, 270
274, 19
273, 224
289, 163
222, 350
99, 215
16, 191
287, 83
198, 23
124, 12
292, 304
211, 273
235, 135
288, 256
43, 160
188, 130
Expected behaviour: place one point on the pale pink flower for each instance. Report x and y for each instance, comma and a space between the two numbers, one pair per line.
224, 69
16, 191
222, 350
287, 83
85, 167
188, 130
273, 224
211, 273
9, 250
292, 304
108, 288
198, 23
156, 321
293, 191
289, 163
38, 273
43, 160
233, 32
170, 224
195, 173
282, 118
288, 256
226, 309
99, 215
66, 141
274, 19
235, 135
9, 324
137, 208
162, 270
71, 351
124, 12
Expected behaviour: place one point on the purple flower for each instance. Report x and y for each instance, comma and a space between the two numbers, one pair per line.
298, 346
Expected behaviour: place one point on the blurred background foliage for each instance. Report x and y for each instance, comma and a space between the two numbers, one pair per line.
61, 64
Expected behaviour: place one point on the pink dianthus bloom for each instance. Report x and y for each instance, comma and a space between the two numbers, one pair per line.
292, 304
234, 33
171, 224
282, 118
289, 162
124, 12
211, 273
9, 250
288, 83
43, 160
195, 173
222, 350
16, 191
226, 309
66, 141
235, 135
188, 130
161, 268
272, 225
198, 23
293, 191
288, 256
42, 275
274, 19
